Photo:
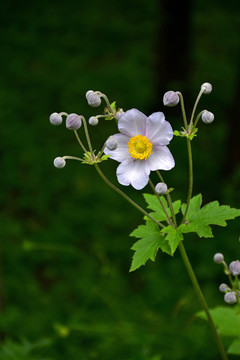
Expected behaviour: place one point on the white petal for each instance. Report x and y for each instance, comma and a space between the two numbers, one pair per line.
158, 130
161, 159
133, 172
121, 152
132, 122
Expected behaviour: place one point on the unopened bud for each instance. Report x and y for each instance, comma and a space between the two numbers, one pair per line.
73, 122
207, 117
230, 297
170, 98
93, 98
111, 143
93, 120
218, 258
119, 114
55, 119
161, 188
59, 162
206, 87
234, 267
223, 288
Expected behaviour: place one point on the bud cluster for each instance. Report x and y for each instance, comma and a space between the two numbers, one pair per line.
75, 121
232, 292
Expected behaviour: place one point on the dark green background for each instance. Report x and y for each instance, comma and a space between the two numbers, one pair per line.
65, 249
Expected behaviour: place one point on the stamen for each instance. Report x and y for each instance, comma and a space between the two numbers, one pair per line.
139, 147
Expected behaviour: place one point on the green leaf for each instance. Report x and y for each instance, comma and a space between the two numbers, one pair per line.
147, 247
174, 236
158, 213
199, 219
227, 320
234, 348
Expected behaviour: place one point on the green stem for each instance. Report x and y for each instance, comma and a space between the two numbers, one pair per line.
80, 142
183, 110
190, 188
169, 200
108, 182
195, 106
87, 135
197, 118
161, 203
202, 300
72, 158
107, 101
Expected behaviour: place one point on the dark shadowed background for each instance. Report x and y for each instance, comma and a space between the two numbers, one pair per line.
66, 292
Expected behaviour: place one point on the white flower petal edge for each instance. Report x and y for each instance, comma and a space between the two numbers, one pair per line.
160, 159
133, 172
121, 153
158, 130
133, 122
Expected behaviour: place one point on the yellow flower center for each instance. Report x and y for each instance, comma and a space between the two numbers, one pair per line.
139, 147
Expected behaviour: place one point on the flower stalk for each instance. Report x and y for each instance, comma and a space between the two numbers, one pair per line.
202, 300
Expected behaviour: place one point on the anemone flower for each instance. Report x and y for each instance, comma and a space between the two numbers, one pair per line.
141, 147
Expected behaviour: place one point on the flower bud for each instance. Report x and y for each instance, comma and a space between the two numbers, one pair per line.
234, 267
93, 120
206, 87
73, 122
223, 288
111, 143
93, 98
218, 258
161, 188
207, 117
59, 162
119, 114
230, 297
170, 98
55, 119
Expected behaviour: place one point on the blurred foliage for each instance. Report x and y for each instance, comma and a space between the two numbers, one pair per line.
64, 235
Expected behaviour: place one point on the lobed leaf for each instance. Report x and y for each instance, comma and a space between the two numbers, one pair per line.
150, 241
158, 213
199, 219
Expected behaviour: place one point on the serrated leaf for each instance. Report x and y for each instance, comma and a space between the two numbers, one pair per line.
174, 236
147, 247
200, 219
158, 213
227, 319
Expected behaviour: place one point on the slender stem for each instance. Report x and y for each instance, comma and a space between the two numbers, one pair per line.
108, 182
80, 142
202, 300
87, 135
190, 188
72, 158
197, 118
228, 273
195, 106
107, 101
169, 200
63, 113
183, 110
161, 203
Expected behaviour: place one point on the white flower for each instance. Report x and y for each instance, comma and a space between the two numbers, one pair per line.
141, 147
